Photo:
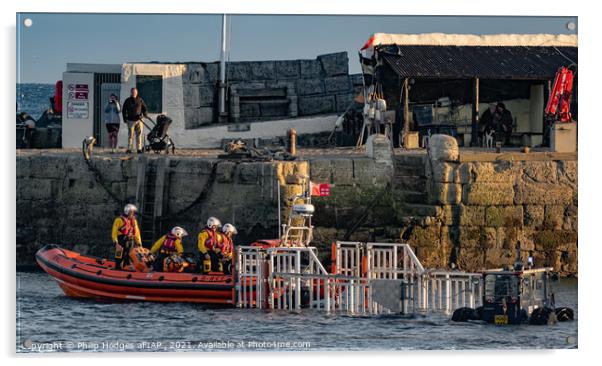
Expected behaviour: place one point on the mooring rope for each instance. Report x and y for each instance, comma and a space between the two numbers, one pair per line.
201, 197
87, 152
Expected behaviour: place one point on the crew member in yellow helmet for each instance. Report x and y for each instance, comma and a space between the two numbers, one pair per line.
208, 239
168, 245
125, 234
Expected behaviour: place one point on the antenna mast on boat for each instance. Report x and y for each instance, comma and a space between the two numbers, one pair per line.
222, 69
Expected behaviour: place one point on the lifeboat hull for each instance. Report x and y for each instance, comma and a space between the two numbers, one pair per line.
88, 277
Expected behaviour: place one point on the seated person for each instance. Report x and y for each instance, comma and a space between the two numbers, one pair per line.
225, 249
168, 245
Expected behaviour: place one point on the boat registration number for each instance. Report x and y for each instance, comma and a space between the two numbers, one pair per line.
501, 319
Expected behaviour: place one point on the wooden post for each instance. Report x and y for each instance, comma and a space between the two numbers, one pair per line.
474, 138
406, 112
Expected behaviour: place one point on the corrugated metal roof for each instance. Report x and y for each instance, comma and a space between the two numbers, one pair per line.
486, 62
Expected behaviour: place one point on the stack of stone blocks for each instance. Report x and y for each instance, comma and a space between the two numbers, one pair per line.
313, 86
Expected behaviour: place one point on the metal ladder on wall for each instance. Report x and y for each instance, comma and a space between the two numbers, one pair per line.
150, 191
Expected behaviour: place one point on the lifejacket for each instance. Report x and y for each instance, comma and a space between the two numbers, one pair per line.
128, 228
211, 240
227, 245
169, 244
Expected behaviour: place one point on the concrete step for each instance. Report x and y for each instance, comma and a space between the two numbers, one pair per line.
409, 183
414, 209
412, 196
410, 170
409, 160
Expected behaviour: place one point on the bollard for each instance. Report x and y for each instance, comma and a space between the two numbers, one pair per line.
293, 142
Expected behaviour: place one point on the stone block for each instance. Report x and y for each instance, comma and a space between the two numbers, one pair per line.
310, 86
201, 73
110, 169
491, 172
250, 110
207, 95
363, 171
310, 68
553, 216
262, 70
34, 189
428, 246
471, 215
335, 63
357, 79
554, 240
316, 105
187, 185
567, 173
342, 171
288, 69
446, 193
444, 148
191, 166
487, 194
197, 117
225, 171
533, 215
274, 110
238, 71
23, 166
51, 166
444, 172
450, 215
343, 101
248, 173
378, 147
542, 194
337, 84
191, 95
320, 170
497, 216
570, 218
540, 171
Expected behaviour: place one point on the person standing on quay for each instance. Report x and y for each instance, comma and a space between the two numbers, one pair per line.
133, 110
112, 111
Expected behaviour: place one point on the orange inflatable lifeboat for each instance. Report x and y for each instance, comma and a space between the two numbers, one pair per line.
90, 277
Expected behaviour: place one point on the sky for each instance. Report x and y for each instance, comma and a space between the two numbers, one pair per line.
55, 39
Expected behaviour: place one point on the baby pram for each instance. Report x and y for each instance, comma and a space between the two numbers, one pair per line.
158, 139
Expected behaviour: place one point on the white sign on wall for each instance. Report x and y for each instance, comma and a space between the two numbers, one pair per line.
77, 109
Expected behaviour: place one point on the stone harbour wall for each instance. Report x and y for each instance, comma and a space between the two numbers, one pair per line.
59, 199
454, 212
456, 209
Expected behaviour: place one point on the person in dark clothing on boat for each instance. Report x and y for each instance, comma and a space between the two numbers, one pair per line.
133, 110
125, 234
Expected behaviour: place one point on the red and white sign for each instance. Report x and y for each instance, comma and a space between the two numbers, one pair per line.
77, 92
320, 189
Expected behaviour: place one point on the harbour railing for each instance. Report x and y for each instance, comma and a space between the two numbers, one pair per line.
366, 279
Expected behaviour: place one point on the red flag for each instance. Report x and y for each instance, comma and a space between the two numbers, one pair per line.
320, 189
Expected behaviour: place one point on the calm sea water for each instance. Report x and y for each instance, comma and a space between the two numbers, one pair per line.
33, 98
48, 321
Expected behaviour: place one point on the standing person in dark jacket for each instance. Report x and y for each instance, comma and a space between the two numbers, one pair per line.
133, 110
505, 121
